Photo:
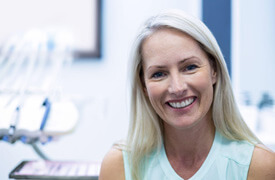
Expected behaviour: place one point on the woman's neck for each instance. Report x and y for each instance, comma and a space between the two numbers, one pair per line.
189, 145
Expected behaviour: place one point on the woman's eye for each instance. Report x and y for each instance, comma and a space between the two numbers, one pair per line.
157, 75
191, 67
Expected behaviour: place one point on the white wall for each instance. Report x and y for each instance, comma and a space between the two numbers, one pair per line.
253, 30
253, 63
98, 87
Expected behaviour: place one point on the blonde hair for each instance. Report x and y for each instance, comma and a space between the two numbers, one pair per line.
145, 128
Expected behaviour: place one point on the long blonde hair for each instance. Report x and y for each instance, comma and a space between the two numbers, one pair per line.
145, 128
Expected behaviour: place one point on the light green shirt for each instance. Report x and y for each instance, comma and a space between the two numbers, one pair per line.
227, 160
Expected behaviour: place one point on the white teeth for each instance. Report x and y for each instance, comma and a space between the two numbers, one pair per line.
181, 104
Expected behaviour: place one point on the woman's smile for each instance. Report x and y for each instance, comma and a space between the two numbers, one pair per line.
179, 104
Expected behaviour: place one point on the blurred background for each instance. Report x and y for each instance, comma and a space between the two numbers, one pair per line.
76, 53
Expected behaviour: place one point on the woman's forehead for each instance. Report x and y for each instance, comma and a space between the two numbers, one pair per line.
169, 42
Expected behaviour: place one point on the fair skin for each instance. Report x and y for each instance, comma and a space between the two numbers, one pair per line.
179, 81
262, 165
112, 167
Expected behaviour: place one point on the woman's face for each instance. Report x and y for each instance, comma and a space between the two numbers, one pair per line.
178, 78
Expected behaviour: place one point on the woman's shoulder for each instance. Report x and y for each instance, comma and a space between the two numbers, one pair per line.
262, 164
112, 167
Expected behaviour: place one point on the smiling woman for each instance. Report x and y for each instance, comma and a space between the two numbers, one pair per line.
183, 93
184, 121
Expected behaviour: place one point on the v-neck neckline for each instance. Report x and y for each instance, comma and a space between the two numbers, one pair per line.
170, 172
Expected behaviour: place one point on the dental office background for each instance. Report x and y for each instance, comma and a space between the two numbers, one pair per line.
97, 86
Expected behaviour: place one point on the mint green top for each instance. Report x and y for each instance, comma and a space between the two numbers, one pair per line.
226, 160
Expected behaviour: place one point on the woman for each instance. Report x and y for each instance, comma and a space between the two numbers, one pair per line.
184, 120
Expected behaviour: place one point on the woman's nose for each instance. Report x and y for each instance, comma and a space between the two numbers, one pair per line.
177, 85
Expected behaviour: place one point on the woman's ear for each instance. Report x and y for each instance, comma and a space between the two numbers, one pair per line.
143, 85
213, 69
145, 90
214, 76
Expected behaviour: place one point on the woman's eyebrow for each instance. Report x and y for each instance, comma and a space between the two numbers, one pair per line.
188, 59
155, 67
